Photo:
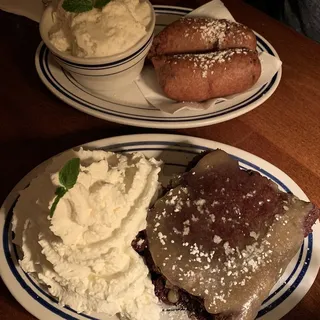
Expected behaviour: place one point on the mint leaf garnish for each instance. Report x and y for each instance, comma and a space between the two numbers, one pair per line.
68, 176
100, 3
60, 192
77, 6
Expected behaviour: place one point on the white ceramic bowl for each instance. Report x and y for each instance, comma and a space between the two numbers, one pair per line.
106, 73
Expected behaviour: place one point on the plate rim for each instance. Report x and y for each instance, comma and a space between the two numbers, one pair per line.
111, 143
161, 123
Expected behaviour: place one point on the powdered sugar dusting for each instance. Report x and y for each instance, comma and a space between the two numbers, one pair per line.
205, 61
212, 30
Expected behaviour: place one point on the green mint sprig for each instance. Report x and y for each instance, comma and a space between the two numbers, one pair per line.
68, 176
79, 6
100, 3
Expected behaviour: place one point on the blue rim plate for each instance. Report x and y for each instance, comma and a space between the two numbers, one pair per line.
129, 106
176, 151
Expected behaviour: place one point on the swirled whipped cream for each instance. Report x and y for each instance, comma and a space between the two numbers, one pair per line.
83, 253
115, 28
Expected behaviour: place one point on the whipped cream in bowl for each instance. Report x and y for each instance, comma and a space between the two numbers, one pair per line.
105, 32
103, 48
81, 252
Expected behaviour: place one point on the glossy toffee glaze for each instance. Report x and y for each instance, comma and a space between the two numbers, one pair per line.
226, 235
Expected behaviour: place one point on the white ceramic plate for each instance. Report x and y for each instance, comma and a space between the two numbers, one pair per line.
176, 151
130, 107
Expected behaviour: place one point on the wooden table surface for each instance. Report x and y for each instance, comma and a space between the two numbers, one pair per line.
285, 130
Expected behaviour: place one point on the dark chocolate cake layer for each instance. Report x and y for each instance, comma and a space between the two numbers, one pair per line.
164, 290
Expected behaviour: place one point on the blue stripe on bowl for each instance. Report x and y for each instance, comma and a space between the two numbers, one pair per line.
104, 75
52, 308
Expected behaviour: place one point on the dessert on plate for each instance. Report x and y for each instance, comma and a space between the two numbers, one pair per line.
221, 237
199, 77
200, 58
214, 242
